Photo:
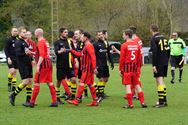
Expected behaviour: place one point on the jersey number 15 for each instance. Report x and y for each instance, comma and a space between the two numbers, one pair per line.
163, 44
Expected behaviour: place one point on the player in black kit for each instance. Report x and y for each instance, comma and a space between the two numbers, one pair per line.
102, 51
11, 58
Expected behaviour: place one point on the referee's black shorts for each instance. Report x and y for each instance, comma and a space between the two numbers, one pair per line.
103, 71
26, 71
176, 61
14, 64
62, 73
161, 71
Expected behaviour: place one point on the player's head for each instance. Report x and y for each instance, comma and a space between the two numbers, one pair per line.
154, 28
85, 36
14, 31
22, 32
28, 34
77, 34
100, 35
39, 32
70, 34
105, 33
127, 34
133, 28
63, 32
174, 35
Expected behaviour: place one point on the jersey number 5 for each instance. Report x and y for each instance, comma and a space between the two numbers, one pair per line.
133, 55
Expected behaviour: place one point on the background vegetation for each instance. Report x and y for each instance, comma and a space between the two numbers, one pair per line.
93, 15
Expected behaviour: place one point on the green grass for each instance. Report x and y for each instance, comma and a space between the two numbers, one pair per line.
110, 111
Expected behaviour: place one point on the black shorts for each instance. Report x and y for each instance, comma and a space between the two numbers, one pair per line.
13, 65
63, 73
26, 71
176, 60
161, 71
103, 71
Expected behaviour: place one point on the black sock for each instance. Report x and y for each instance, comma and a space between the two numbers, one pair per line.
173, 74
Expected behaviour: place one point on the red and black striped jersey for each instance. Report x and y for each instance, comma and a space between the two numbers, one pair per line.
88, 62
129, 56
43, 50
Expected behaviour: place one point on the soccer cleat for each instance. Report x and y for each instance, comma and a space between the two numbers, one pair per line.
26, 104
64, 95
172, 81
106, 96
12, 99
144, 105
53, 105
93, 103
128, 106
69, 97
100, 98
59, 101
158, 105
74, 102
32, 105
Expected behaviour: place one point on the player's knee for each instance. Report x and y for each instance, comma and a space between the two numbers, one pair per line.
172, 68
73, 79
12, 71
81, 84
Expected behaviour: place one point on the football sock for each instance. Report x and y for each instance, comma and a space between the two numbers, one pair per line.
53, 93
9, 80
18, 89
129, 99
100, 87
28, 92
65, 86
141, 97
165, 95
96, 87
173, 74
13, 83
73, 89
160, 90
85, 90
35, 93
69, 84
57, 92
79, 92
93, 92
180, 73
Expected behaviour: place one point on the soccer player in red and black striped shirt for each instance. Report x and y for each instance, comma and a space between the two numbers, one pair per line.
88, 67
44, 69
128, 67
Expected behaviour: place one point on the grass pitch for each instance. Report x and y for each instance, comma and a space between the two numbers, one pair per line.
110, 111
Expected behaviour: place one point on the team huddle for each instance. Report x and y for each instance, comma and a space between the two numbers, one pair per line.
79, 58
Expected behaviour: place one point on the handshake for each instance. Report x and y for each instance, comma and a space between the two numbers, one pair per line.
63, 50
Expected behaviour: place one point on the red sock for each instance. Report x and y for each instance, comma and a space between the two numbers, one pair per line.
93, 92
141, 97
79, 92
129, 99
66, 87
35, 93
53, 93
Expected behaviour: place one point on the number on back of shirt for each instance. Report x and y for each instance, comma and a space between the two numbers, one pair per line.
133, 55
163, 43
